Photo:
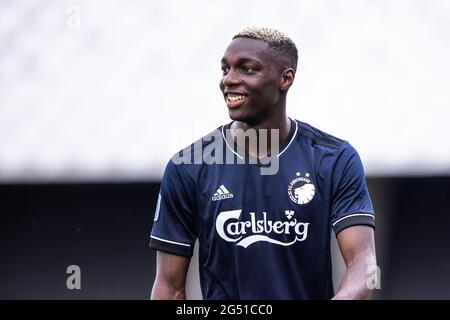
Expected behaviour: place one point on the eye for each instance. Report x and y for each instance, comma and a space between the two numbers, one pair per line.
225, 70
247, 69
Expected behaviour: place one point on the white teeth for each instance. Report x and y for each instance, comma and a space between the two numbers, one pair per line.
235, 97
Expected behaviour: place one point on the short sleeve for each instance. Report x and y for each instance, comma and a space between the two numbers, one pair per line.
173, 226
351, 203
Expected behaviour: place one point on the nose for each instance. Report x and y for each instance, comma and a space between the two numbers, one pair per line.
231, 78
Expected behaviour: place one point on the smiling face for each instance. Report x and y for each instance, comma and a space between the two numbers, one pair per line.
253, 83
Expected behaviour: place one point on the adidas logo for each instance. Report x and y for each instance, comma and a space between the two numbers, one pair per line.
222, 193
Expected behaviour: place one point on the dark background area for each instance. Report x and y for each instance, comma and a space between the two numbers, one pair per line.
104, 229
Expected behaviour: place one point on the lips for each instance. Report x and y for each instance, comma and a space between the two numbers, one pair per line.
234, 100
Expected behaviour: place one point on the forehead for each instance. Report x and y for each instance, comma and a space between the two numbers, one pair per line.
244, 48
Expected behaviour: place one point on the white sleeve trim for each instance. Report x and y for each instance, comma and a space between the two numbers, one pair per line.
158, 207
168, 241
354, 215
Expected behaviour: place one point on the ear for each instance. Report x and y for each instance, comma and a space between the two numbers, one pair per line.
287, 78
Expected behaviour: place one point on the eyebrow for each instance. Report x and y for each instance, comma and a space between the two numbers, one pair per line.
242, 60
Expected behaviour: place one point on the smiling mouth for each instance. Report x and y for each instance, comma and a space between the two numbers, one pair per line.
234, 100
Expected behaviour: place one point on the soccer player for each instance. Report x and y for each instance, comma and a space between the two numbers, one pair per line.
264, 236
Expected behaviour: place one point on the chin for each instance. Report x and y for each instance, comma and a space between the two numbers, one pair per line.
237, 115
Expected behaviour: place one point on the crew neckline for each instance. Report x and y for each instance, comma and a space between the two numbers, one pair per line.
284, 146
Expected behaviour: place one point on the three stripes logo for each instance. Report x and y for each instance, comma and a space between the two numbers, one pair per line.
222, 193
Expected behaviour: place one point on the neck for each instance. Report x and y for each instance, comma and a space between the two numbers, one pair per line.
281, 123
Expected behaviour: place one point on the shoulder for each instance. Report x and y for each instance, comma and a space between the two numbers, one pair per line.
200, 144
194, 156
308, 134
336, 151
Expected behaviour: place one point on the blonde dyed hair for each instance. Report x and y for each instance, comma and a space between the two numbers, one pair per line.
276, 39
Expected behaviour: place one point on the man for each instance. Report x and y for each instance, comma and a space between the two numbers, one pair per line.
264, 236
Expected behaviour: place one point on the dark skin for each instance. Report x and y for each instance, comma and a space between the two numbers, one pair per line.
357, 246
170, 281
252, 69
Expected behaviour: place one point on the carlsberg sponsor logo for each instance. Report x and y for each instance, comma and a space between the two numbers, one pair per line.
250, 231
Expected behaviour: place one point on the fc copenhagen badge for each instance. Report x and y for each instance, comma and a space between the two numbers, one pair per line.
301, 190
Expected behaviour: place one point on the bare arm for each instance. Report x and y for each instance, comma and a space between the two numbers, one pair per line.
357, 246
170, 281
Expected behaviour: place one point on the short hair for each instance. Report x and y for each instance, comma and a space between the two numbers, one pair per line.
277, 40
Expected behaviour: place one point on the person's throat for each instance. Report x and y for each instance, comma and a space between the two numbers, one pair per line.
262, 140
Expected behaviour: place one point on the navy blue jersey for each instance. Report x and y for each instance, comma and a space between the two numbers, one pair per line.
264, 236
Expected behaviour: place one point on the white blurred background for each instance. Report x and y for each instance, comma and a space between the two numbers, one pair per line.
93, 90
